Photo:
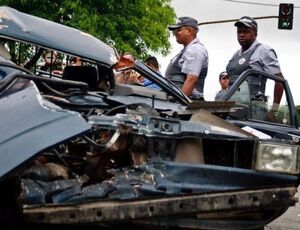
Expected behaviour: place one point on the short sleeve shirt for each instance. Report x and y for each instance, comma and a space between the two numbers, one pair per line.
194, 58
220, 94
264, 58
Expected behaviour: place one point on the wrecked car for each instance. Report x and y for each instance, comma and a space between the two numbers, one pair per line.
76, 148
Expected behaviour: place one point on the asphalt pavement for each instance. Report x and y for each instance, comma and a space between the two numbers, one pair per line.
290, 220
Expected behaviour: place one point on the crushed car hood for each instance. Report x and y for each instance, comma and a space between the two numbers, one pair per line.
26, 122
23, 27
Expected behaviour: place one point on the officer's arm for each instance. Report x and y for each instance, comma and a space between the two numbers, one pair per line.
189, 84
278, 91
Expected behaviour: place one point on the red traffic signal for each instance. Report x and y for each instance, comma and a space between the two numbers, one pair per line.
285, 17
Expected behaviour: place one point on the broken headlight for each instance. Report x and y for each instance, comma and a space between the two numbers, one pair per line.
277, 158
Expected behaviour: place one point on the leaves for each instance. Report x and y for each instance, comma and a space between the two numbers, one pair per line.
137, 26
298, 114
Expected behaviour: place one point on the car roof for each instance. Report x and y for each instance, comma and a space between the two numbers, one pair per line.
51, 35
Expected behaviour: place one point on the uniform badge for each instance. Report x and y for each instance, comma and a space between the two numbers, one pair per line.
242, 61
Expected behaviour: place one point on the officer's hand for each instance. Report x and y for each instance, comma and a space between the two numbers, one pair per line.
271, 116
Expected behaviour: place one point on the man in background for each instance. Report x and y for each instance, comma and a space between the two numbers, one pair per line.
224, 83
5, 57
153, 64
128, 76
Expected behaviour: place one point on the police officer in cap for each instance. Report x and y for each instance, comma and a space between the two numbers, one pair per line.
254, 55
224, 83
188, 69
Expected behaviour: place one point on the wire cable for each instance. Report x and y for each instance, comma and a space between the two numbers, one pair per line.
254, 3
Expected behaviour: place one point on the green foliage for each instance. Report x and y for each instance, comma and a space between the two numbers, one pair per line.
298, 114
283, 115
137, 26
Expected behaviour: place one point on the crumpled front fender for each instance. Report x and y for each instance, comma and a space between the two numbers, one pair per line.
29, 124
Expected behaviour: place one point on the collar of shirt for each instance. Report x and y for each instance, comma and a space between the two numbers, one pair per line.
196, 40
249, 49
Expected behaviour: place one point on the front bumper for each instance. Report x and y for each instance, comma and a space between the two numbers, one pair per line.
179, 194
266, 203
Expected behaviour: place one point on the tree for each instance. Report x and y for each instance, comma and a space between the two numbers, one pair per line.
298, 114
137, 26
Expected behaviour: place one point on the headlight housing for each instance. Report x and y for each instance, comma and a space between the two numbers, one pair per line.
277, 157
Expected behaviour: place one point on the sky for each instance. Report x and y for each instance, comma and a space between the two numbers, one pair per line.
220, 39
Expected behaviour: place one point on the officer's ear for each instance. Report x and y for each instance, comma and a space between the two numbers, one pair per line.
254, 31
192, 30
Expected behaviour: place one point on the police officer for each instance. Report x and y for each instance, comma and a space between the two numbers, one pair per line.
188, 69
254, 55
224, 83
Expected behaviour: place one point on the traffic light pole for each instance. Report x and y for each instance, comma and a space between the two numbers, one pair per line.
285, 17
233, 20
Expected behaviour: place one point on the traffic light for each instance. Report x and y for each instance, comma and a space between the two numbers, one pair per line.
285, 17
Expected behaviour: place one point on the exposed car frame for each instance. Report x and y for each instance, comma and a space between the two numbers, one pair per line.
149, 180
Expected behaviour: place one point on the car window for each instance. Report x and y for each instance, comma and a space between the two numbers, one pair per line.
242, 94
282, 114
255, 100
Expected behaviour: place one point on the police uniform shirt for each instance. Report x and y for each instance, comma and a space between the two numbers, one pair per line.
263, 58
194, 58
220, 94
